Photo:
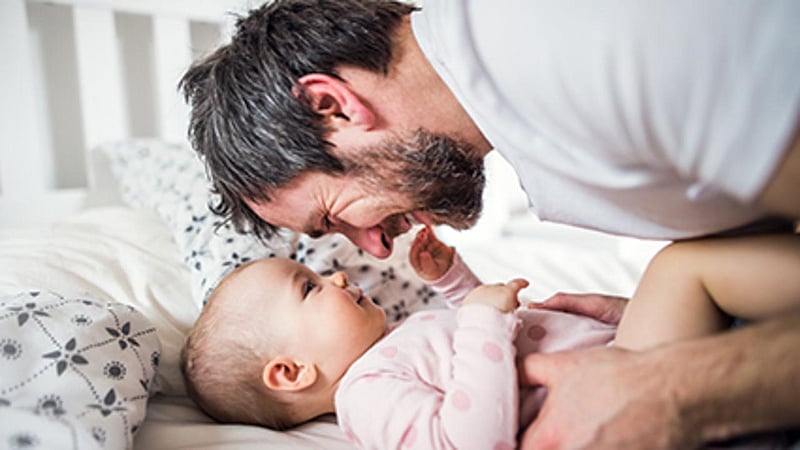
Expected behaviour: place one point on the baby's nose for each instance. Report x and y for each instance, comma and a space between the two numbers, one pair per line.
339, 279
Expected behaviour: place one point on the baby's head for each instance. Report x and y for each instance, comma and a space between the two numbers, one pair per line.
274, 340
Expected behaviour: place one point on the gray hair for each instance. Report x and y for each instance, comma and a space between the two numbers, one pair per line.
250, 124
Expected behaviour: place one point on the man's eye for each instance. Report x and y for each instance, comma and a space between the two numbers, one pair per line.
325, 228
308, 286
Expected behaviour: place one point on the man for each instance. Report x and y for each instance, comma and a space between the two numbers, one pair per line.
665, 120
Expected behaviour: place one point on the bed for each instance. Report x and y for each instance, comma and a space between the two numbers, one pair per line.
108, 250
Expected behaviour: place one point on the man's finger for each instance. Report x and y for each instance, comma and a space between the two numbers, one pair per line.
536, 437
539, 369
529, 438
606, 308
564, 301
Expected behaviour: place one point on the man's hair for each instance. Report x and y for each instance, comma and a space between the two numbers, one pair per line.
250, 122
222, 362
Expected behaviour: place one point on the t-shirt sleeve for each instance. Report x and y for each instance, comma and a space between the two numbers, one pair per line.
730, 94
709, 90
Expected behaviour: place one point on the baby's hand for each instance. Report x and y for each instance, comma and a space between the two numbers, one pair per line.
429, 256
504, 297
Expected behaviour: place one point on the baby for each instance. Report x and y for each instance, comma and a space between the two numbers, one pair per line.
278, 345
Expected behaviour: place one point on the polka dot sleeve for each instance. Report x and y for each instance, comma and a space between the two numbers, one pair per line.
456, 283
482, 401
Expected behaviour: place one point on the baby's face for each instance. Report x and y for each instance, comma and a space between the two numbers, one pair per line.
323, 319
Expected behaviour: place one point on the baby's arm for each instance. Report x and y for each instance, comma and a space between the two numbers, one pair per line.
476, 406
441, 267
481, 403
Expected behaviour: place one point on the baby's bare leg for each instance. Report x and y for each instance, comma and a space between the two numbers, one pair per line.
692, 288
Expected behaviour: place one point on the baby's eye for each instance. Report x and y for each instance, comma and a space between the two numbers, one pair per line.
308, 286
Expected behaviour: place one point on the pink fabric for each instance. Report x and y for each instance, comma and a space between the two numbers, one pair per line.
447, 378
456, 283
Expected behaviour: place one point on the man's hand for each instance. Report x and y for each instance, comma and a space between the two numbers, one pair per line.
605, 308
430, 257
602, 398
504, 297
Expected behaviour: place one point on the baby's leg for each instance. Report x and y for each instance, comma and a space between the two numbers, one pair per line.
692, 288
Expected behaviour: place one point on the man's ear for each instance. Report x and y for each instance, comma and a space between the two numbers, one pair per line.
286, 374
334, 99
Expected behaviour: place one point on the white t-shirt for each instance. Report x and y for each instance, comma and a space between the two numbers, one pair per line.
654, 119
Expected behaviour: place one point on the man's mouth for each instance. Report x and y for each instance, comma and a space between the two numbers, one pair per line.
399, 224
387, 243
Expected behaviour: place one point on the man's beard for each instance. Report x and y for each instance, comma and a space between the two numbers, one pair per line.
439, 175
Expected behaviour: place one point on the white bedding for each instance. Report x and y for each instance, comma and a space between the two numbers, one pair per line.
135, 256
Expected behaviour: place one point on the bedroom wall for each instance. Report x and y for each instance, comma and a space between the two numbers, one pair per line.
59, 105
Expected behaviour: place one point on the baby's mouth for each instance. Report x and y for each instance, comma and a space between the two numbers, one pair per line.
362, 299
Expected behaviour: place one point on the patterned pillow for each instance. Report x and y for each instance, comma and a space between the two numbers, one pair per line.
172, 181
75, 371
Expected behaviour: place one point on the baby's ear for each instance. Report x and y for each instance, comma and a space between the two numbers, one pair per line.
283, 373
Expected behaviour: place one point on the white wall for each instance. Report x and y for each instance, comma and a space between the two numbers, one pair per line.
59, 108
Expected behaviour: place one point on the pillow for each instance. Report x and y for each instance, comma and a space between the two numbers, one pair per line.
109, 253
75, 371
171, 180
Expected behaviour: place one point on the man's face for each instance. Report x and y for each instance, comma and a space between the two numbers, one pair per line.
426, 178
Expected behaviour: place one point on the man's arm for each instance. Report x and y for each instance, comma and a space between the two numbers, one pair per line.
782, 194
677, 396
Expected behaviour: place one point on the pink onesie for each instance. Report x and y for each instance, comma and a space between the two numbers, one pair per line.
447, 378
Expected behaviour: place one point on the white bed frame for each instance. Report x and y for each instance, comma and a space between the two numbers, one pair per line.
72, 79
